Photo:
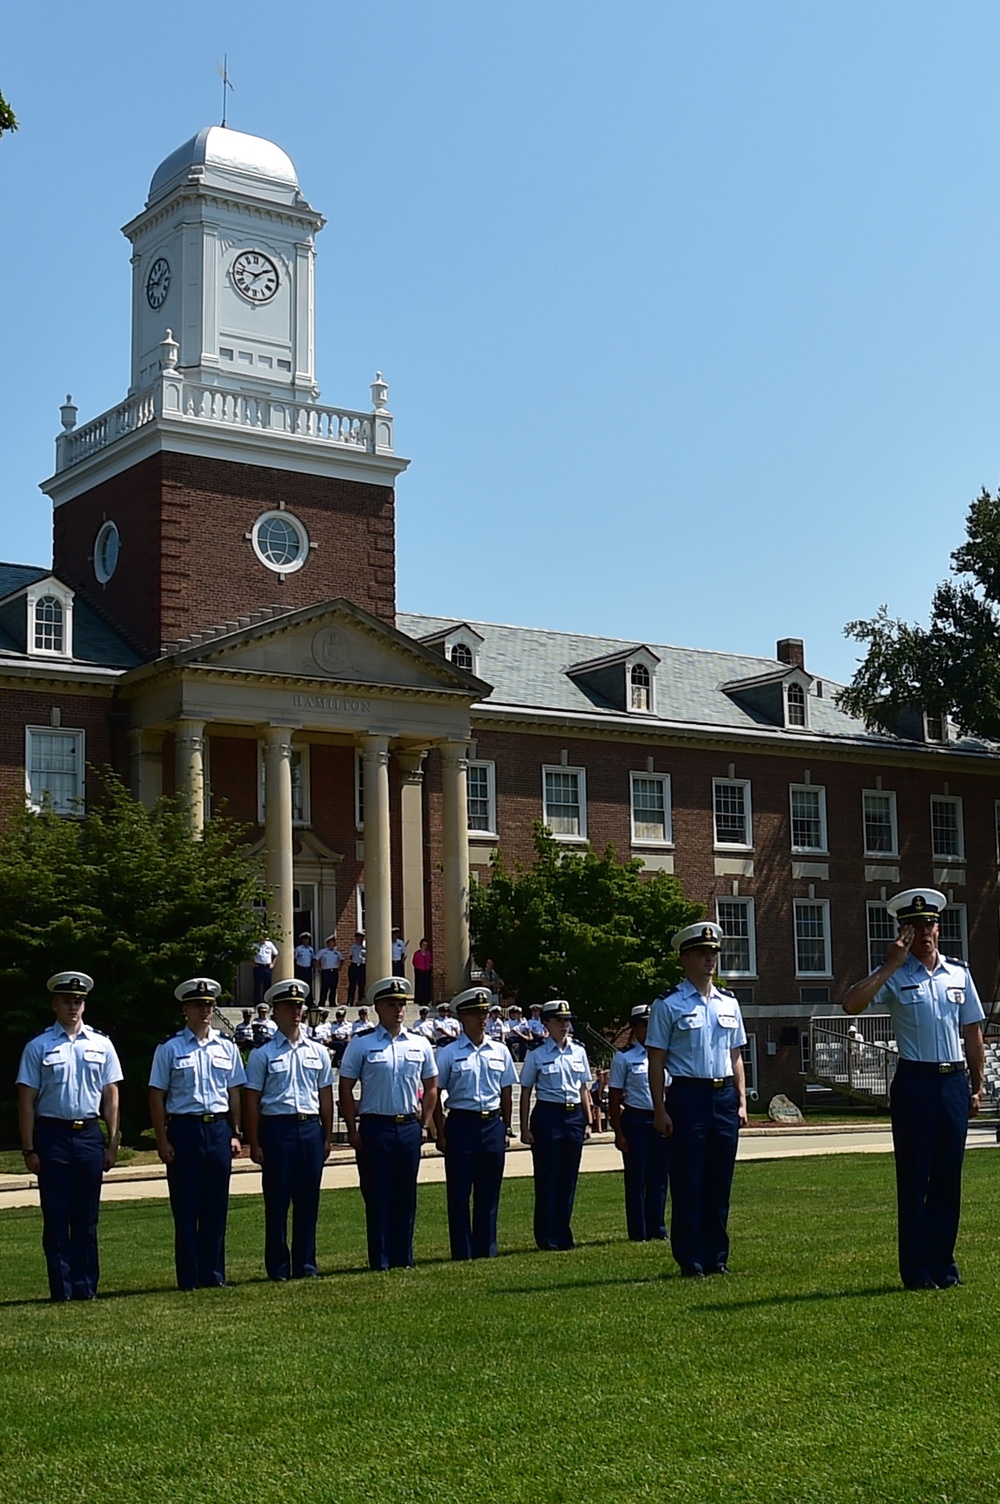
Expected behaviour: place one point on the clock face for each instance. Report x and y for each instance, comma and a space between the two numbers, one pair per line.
158, 282
255, 276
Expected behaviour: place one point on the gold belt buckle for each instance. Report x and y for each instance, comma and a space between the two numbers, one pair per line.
718, 1081
208, 1117
485, 1114
78, 1123
946, 1067
401, 1117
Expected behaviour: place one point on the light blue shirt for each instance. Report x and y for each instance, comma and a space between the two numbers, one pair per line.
474, 1075
697, 1033
69, 1072
929, 1009
630, 1075
289, 1076
197, 1076
390, 1071
559, 1073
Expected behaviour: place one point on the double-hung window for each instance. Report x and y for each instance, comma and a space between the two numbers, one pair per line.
808, 815
564, 802
881, 837
650, 794
947, 835
731, 806
481, 797
882, 930
738, 957
54, 769
812, 937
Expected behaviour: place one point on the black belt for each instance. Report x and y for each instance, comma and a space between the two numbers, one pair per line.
932, 1067
715, 1082
388, 1117
471, 1112
197, 1117
640, 1112
76, 1123
290, 1117
566, 1106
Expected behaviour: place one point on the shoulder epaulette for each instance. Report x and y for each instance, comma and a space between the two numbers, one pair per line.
956, 961
669, 992
726, 991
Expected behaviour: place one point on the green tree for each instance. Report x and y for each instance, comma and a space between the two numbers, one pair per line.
585, 927
132, 897
8, 120
952, 666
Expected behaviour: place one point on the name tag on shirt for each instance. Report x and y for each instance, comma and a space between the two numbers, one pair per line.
727, 1020
313, 1061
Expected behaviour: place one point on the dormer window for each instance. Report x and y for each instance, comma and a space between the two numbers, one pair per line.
50, 620
50, 625
795, 705
639, 687
461, 656
935, 727
459, 644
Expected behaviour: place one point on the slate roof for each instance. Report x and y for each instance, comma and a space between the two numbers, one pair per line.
527, 668
94, 641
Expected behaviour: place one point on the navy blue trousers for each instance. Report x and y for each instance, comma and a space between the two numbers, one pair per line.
930, 1118
387, 1168
329, 981
556, 1147
198, 1182
702, 1160
473, 1162
290, 1176
70, 1169
646, 1166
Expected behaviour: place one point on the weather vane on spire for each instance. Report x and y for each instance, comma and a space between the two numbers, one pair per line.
223, 71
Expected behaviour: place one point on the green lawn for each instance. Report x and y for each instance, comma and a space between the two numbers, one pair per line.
807, 1376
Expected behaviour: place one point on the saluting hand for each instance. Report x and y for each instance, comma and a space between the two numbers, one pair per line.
899, 949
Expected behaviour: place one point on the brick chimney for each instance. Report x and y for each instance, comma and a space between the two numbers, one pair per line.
791, 650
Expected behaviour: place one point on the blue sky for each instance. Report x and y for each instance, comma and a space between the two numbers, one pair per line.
689, 311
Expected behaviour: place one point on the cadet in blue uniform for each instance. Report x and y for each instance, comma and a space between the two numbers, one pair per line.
194, 1106
696, 1033
560, 1123
67, 1081
645, 1153
934, 1007
288, 1105
389, 1128
478, 1075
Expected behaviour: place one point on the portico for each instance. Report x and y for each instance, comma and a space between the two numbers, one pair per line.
329, 677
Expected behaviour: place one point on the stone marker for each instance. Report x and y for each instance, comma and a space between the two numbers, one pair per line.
782, 1109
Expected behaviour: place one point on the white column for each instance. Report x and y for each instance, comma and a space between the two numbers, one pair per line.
278, 843
145, 750
411, 823
190, 759
454, 765
378, 869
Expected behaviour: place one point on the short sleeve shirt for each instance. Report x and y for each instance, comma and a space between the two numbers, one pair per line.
474, 1075
557, 1074
69, 1072
630, 1075
929, 1009
197, 1076
697, 1033
289, 1076
390, 1070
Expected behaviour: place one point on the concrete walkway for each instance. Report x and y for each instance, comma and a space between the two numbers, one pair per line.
148, 1182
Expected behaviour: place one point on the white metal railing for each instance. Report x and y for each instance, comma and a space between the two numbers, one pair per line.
855, 1055
182, 400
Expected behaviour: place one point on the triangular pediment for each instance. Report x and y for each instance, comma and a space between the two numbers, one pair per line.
334, 641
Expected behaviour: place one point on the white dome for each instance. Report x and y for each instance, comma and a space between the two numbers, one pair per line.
221, 158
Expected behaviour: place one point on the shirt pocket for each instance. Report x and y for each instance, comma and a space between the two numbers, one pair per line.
690, 1021
55, 1067
551, 1069
279, 1066
727, 1020
913, 997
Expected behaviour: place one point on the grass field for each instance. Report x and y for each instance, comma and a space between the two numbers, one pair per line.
808, 1375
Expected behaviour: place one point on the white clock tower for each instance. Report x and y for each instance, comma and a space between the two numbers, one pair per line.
223, 257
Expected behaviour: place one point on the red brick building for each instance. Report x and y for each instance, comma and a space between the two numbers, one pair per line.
220, 617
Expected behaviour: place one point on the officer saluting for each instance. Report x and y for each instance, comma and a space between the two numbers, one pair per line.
194, 1106
934, 1007
478, 1074
67, 1081
696, 1032
645, 1153
289, 1119
391, 1063
559, 1124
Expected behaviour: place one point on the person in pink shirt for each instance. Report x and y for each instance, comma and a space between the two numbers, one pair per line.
423, 979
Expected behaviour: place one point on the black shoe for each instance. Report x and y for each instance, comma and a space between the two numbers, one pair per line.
948, 1281
924, 1284
690, 1271
722, 1269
